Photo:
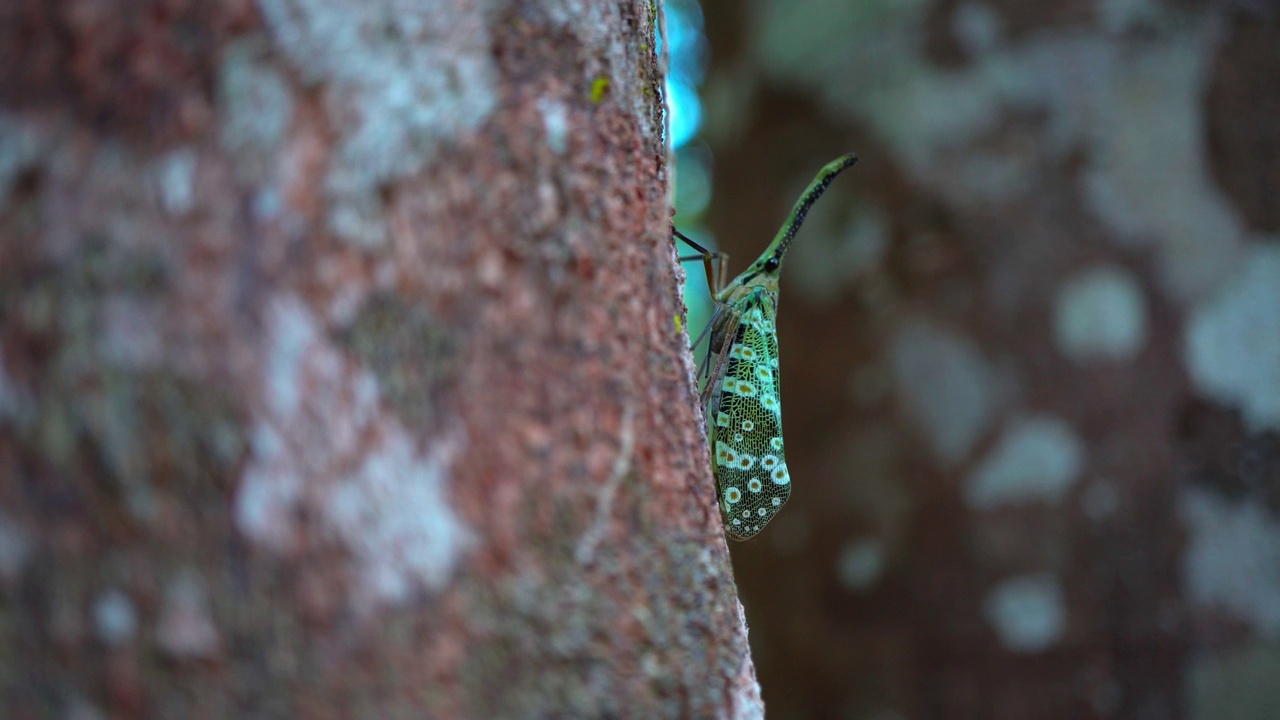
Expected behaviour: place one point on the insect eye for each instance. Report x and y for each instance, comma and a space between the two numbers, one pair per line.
771, 264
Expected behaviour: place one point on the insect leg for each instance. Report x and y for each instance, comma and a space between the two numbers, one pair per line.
721, 273
715, 275
706, 362
714, 280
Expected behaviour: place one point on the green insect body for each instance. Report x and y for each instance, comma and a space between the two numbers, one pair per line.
741, 399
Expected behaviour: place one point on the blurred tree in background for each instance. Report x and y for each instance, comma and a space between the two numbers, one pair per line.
1030, 352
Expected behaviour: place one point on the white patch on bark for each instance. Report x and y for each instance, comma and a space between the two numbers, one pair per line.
400, 77
1028, 613
1233, 341
1100, 315
115, 619
175, 176
321, 443
21, 146
186, 629
394, 514
15, 548
860, 564
1233, 558
255, 110
555, 120
948, 388
1039, 458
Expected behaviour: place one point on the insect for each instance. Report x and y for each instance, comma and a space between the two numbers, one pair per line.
740, 399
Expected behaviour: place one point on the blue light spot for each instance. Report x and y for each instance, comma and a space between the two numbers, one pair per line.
688, 59
685, 109
687, 64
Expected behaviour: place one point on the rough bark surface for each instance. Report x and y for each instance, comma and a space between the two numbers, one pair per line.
342, 371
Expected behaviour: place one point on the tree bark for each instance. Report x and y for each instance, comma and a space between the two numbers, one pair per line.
343, 371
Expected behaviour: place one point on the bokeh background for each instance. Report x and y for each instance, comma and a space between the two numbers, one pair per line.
1030, 347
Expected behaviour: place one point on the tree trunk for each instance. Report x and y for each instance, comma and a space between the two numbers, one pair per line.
343, 371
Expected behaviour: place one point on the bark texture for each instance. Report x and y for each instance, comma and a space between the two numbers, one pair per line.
342, 370
1030, 353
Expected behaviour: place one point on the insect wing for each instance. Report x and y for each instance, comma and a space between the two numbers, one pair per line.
744, 415
718, 347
